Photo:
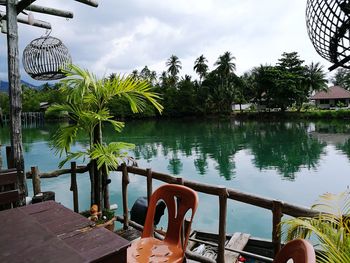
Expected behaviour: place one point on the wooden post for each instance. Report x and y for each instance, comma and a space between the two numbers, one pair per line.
125, 182
74, 186
180, 180
36, 180
15, 96
149, 184
92, 182
222, 224
276, 227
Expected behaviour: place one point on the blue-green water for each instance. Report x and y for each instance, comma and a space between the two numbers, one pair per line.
291, 161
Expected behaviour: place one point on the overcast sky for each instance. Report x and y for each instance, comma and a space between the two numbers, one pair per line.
123, 35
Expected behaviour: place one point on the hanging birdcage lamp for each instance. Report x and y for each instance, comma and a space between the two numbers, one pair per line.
45, 57
328, 26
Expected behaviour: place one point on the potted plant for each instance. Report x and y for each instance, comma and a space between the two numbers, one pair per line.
87, 107
105, 218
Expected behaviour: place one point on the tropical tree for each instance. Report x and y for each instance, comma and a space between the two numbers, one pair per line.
331, 228
174, 66
134, 74
87, 107
342, 78
201, 67
225, 64
314, 79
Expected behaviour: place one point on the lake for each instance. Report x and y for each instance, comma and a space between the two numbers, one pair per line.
291, 161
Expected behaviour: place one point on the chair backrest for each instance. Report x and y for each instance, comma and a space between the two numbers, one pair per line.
300, 250
179, 199
9, 194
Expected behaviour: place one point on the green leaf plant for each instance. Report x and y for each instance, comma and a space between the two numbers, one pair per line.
86, 106
331, 228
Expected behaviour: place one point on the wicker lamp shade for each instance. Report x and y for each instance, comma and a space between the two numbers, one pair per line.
44, 58
328, 24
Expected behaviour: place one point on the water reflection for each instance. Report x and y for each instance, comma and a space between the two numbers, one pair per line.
285, 147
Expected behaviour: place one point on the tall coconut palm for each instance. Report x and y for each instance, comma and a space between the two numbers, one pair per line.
315, 77
174, 66
200, 67
225, 64
87, 107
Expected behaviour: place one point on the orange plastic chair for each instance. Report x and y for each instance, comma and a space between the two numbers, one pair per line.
299, 250
178, 199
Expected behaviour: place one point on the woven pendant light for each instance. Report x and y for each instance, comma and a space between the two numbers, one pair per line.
44, 58
328, 26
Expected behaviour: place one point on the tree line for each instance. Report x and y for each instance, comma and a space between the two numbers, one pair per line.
289, 82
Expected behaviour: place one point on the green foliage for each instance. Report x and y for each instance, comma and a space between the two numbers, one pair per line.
4, 103
331, 228
287, 83
342, 78
87, 104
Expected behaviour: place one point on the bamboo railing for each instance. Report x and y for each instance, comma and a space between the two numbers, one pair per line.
277, 207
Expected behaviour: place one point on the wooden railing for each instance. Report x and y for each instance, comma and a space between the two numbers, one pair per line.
277, 207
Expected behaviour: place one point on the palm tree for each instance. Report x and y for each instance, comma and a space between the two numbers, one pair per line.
87, 107
315, 77
225, 64
200, 67
163, 79
134, 74
331, 228
312, 78
174, 66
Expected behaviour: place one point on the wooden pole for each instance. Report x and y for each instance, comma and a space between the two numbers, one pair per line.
49, 11
88, 2
149, 184
276, 227
15, 96
125, 182
222, 224
23, 4
74, 186
36, 180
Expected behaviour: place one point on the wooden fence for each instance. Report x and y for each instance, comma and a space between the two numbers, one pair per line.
277, 207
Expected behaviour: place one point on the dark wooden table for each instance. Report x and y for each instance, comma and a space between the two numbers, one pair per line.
49, 232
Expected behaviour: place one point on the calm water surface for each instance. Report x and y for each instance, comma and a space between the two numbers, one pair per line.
291, 161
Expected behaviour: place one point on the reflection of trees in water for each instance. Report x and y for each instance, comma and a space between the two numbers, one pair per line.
202, 140
284, 146
338, 134
344, 148
175, 166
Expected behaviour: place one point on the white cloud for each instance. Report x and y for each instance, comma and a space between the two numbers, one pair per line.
120, 36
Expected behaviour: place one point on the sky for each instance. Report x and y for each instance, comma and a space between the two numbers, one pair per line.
120, 36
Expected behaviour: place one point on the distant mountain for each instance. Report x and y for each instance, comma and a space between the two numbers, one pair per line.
4, 85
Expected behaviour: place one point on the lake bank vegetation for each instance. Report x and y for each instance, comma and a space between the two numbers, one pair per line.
283, 87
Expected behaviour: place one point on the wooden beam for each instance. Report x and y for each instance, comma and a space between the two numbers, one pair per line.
92, 3
23, 20
49, 11
21, 5
37, 23
15, 93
